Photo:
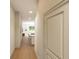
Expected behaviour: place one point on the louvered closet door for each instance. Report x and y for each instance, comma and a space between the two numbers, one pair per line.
56, 33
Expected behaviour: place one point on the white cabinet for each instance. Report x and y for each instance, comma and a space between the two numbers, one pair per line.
56, 33
54, 3
32, 38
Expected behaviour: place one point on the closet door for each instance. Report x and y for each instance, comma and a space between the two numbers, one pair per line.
56, 33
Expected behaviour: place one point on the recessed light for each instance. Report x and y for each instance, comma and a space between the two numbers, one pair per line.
30, 12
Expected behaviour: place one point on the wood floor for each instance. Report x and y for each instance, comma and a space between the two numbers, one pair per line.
25, 52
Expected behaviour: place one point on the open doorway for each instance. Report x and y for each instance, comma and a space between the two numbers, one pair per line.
28, 33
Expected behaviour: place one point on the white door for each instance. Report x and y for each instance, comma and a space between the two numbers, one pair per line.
56, 33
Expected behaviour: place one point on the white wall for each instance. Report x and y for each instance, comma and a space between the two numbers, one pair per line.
39, 38
18, 24
39, 44
15, 30
12, 30
43, 6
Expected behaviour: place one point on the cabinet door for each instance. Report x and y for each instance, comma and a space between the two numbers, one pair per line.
51, 4
56, 33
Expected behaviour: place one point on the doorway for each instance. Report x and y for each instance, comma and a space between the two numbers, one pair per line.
28, 33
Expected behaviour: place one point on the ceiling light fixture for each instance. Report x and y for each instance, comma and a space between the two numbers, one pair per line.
30, 12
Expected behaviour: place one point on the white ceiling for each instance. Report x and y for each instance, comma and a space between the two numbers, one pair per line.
24, 6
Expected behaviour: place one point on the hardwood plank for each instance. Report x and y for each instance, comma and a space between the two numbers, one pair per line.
25, 52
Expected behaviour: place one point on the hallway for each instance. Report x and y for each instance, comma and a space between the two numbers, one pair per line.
26, 51
46, 23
